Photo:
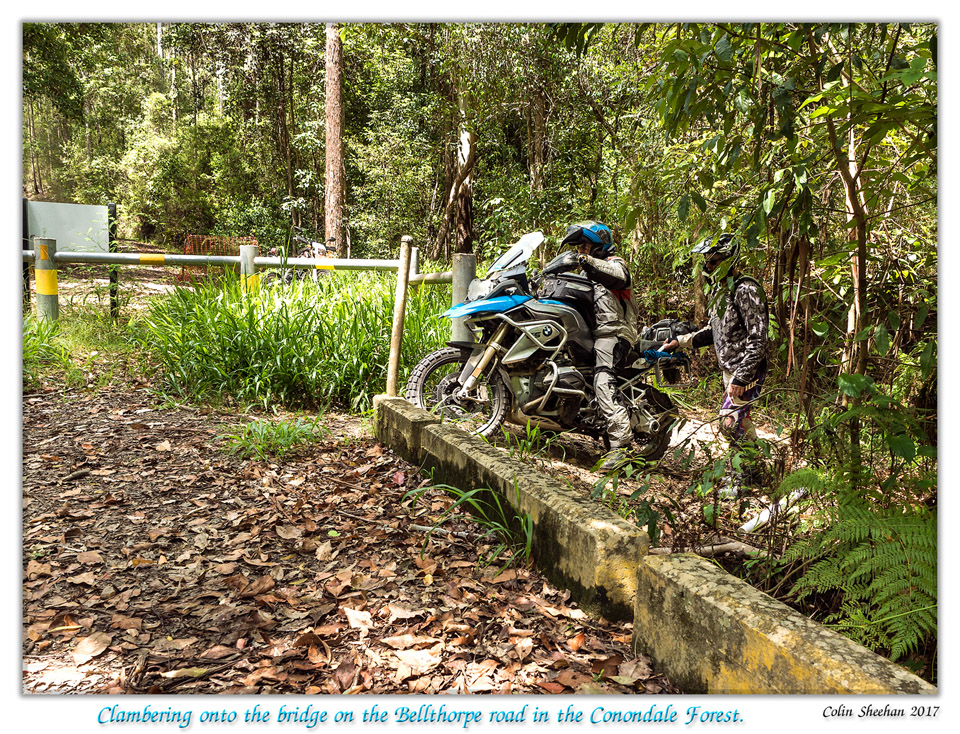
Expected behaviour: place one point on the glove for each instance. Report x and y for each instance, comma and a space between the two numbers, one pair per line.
652, 355
685, 341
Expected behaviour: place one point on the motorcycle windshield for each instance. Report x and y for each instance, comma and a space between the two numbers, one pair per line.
518, 254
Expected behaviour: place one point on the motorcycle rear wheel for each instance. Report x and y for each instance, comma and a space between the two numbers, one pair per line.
433, 386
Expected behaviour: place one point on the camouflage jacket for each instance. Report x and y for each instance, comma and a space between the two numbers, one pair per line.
738, 329
612, 298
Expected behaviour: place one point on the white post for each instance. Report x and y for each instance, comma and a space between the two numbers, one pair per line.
464, 271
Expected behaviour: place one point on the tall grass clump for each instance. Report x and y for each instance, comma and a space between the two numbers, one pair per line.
41, 346
306, 344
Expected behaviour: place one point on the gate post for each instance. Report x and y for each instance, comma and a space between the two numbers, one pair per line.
114, 270
45, 272
249, 278
26, 266
464, 271
399, 306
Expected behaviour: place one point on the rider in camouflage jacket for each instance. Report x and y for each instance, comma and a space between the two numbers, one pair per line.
738, 331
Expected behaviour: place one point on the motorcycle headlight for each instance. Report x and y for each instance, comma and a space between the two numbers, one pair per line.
478, 289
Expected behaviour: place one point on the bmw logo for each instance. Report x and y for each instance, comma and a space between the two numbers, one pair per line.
547, 330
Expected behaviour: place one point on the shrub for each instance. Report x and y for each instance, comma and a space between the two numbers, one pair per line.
306, 344
41, 347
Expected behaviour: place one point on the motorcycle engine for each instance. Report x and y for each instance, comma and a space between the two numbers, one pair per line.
567, 393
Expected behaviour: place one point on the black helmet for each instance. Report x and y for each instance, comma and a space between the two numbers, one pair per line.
717, 251
598, 235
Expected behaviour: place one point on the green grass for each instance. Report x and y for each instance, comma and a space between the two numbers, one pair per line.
512, 530
262, 439
43, 349
304, 345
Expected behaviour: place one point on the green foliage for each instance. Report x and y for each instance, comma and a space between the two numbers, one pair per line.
263, 438
41, 348
531, 446
881, 556
512, 530
643, 506
303, 345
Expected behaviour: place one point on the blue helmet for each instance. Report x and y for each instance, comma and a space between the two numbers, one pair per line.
597, 234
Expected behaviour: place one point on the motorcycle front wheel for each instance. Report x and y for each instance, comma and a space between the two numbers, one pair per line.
652, 446
434, 386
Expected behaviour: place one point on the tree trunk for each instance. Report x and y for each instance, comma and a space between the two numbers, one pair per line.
466, 157
34, 155
457, 221
334, 183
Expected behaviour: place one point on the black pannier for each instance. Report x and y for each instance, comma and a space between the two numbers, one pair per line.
574, 289
667, 329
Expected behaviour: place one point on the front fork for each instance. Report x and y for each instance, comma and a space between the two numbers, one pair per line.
493, 346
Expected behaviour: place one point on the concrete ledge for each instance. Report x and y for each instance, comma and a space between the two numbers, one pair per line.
713, 633
578, 544
399, 424
708, 631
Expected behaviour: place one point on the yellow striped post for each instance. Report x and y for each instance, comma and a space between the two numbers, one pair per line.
45, 272
249, 277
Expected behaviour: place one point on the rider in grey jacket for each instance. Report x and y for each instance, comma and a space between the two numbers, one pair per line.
616, 326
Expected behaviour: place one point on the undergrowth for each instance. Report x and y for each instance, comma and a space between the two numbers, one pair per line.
512, 530
262, 438
304, 345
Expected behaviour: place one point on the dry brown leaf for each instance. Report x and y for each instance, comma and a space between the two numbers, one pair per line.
403, 642
89, 647
325, 552
178, 644
126, 623
551, 686
636, 669
420, 661
35, 569
402, 611
575, 643
508, 575
359, 619
289, 532
87, 578
89, 558
186, 673
217, 652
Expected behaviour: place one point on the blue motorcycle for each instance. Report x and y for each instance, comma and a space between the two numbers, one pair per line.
531, 359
